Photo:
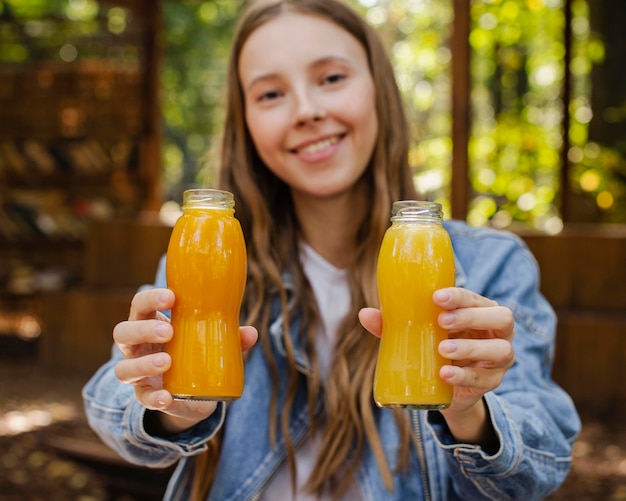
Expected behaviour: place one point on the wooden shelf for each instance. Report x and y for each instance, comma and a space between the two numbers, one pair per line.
79, 140
41, 243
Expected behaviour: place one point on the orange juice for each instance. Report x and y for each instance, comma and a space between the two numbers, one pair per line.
206, 269
415, 259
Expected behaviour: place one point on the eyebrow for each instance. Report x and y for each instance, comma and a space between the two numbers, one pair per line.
317, 63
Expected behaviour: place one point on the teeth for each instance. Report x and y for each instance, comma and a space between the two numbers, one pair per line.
315, 147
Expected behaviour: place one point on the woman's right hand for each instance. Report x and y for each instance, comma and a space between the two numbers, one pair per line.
141, 340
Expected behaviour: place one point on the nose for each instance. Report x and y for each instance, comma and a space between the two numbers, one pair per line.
309, 108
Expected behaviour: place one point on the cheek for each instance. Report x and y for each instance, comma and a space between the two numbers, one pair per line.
362, 111
371, 127
367, 120
260, 133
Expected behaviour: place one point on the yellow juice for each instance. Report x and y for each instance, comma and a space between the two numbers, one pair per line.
414, 261
206, 269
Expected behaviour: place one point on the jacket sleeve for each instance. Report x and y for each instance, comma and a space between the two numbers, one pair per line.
535, 420
117, 417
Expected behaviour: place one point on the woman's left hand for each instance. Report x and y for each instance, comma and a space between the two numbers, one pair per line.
480, 347
480, 344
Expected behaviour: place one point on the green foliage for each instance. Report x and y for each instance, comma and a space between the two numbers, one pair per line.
417, 34
598, 169
197, 41
63, 31
517, 72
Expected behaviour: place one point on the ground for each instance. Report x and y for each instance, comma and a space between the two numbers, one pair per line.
48, 453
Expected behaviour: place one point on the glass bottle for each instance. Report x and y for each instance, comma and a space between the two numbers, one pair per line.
415, 259
206, 270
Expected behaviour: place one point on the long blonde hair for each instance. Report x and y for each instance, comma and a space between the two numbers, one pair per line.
265, 210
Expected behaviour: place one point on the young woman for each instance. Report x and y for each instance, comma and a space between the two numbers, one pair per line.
315, 150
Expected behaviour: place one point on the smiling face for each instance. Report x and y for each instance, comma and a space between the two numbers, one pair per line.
310, 103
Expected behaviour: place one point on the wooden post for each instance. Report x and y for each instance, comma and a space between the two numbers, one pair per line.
564, 174
459, 195
151, 156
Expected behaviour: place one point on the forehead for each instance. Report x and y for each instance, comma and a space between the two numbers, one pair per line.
297, 38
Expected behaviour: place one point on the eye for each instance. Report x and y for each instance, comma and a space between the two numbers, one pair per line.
269, 95
334, 78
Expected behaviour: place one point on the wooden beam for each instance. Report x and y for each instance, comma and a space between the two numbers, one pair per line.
460, 187
151, 142
566, 97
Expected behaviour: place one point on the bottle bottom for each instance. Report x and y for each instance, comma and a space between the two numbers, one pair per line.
414, 407
203, 398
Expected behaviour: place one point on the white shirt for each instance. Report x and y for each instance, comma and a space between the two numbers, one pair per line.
332, 292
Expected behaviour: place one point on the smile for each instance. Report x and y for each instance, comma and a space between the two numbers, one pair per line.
318, 146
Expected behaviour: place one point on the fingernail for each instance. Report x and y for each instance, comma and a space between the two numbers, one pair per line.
447, 318
158, 360
441, 295
446, 372
448, 346
162, 330
164, 297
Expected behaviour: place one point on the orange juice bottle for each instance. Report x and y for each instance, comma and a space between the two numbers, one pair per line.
415, 259
206, 269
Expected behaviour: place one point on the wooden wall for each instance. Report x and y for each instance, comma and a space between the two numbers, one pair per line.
583, 272
78, 323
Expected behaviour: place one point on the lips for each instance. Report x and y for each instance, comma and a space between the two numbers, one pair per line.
317, 146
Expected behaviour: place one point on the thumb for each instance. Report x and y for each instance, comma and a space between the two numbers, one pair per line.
372, 320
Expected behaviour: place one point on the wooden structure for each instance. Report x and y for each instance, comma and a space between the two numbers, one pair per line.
583, 267
113, 108
583, 271
120, 255
89, 130
80, 142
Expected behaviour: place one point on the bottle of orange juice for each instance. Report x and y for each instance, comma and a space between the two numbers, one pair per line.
415, 259
206, 269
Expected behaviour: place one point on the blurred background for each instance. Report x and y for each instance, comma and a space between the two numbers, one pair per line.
109, 109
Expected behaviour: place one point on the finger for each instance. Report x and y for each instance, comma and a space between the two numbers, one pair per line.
135, 332
162, 400
451, 298
249, 336
151, 398
489, 353
495, 318
372, 320
130, 371
146, 303
478, 380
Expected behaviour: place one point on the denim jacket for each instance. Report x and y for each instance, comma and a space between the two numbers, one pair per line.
535, 420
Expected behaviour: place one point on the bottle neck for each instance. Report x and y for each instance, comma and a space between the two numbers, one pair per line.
208, 199
417, 211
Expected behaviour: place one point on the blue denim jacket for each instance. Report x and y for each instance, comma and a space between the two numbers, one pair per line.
535, 420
